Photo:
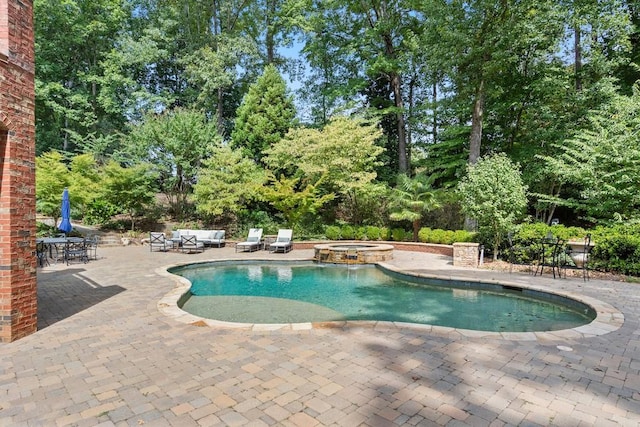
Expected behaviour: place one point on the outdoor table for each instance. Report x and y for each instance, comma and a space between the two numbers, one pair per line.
51, 243
268, 240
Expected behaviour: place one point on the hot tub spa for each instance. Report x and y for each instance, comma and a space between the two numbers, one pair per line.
353, 253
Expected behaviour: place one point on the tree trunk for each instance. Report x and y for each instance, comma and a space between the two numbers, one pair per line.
476, 125
403, 166
577, 47
471, 224
434, 97
220, 112
269, 42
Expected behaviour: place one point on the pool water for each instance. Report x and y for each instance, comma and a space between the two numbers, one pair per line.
307, 292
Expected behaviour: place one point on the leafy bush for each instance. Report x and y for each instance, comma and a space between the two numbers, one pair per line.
463, 236
348, 233
385, 233
398, 234
99, 212
373, 232
437, 236
424, 235
446, 237
361, 233
619, 252
333, 232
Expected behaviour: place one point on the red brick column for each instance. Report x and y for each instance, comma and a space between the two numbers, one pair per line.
18, 291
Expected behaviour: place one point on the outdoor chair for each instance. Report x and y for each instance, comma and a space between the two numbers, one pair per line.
41, 254
253, 242
159, 242
76, 250
283, 241
191, 244
549, 251
92, 247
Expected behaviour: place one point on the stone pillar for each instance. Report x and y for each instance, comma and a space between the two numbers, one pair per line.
466, 254
18, 288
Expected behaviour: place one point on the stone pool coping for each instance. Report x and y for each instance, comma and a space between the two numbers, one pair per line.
608, 318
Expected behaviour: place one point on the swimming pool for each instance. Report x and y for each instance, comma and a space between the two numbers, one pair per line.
252, 292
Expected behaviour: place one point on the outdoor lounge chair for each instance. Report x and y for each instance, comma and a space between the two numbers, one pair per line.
253, 242
191, 244
159, 242
283, 242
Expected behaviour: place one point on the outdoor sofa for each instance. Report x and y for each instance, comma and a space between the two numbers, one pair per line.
207, 237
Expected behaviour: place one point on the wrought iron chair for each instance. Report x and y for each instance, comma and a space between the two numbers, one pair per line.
76, 250
42, 254
92, 247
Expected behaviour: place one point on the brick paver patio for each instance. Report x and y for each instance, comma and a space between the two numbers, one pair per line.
106, 355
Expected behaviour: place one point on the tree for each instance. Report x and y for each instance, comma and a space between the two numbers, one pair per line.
492, 193
84, 182
411, 199
601, 163
344, 154
72, 40
359, 44
294, 203
227, 183
175, 143
130, 189
52, 177
266, 114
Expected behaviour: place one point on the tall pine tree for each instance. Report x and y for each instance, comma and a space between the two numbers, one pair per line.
265, 115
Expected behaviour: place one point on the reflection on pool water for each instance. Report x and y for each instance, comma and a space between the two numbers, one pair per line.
250, 292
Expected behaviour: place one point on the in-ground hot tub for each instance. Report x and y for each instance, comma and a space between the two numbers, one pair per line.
353, 253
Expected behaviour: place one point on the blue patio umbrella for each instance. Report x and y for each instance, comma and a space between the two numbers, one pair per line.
65, 225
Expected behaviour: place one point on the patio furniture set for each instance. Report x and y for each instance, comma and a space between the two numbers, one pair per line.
66, 249
555, 254
190, 241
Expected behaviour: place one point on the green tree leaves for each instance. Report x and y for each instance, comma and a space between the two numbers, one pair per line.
266, 114
493, 194
175, 143
601, 163
411, 199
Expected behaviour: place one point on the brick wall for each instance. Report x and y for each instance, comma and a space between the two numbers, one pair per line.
18, 297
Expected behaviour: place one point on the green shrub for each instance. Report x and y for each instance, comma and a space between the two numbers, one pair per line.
385, 233
398, 234
463, 236
424, 235
373, 232
99, 212
348, 233
361, 233
332, 232
617, 252
436, 236
448, 237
